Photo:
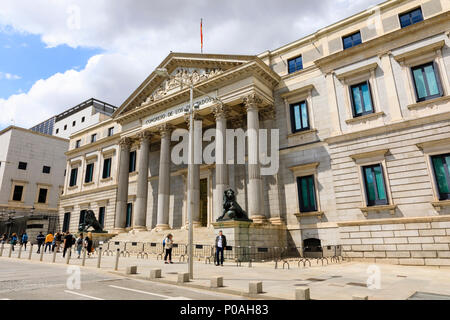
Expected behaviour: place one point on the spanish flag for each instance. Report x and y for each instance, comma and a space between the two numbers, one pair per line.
201, 34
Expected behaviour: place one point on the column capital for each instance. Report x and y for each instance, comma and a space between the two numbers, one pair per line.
221, 111
197, 117
144, 135
252, 101
125, 142
267, 113
165, 129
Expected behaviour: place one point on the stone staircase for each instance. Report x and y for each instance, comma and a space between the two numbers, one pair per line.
202, 235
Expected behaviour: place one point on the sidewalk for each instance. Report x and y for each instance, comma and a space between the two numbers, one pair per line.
337, 281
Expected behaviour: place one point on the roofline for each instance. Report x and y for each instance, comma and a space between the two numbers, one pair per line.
81, 106
32, 132
316, 35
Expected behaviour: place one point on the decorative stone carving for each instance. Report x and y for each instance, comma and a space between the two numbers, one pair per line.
238, 122
196, 117
165, 129
144, 135
252, 101
220, 111
125, 142
182, 76
267, 113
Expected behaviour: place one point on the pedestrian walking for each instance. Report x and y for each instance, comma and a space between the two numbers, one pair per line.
58, 240
13, 240
68, 242
168, 244
88, 245
40, 241
48, 242
24, 240
4, 238
79, 244
221, 244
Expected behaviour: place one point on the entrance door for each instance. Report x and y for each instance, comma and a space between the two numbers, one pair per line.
204, 202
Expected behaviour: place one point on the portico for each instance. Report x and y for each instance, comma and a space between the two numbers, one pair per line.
155, 111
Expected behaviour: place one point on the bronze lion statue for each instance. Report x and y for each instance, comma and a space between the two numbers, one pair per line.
231, 209
90, 221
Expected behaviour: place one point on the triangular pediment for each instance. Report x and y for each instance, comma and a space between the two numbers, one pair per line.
188, 68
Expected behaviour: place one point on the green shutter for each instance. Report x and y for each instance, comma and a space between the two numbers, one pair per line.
439, 171
380, 183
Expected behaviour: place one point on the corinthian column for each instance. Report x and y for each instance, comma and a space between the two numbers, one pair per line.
221, 114
122, 184
140, 215
164, 179
255, 208
193, 191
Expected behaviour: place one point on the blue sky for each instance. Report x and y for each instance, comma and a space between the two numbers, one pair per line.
26, 56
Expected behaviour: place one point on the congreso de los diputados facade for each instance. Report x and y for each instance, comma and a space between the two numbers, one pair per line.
356, 119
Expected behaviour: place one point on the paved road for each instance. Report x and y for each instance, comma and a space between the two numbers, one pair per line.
27, 280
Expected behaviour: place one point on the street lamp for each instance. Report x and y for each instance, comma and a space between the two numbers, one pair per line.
164, 73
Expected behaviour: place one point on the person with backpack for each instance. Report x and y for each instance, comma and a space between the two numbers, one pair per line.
68, 242
24, 240
79, 244
13, 241
168, 244
40, 241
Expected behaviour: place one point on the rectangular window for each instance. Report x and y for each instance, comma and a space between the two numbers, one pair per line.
295, 64
129, 214
82, 217
106, 168
132, 167
74, 123
426, 82
57, 131
441, 168
65, 127
42, 198
411, 17
299, 117
46, 169
375, 185
66, 222
89, 173
352, 40
73, 177
361, 99
93, 137
307, 194
77, 143
101, 216
18, 191
82, 119
22, 165
110, 131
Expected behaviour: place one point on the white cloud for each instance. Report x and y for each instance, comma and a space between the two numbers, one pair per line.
136, 35
9, 76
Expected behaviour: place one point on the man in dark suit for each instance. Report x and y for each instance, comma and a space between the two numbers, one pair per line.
221, 244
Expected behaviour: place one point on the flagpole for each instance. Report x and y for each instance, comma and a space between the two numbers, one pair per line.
201, 35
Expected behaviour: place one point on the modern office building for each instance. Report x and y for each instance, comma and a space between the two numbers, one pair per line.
32, 168
362, 113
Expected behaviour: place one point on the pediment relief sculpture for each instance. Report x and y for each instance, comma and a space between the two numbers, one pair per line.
185, 76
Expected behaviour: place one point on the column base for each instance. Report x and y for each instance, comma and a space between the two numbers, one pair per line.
118, 230
277, 221
139, 228
259, 219
161, 227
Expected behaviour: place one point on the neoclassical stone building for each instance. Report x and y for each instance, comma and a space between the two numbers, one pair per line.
362, 108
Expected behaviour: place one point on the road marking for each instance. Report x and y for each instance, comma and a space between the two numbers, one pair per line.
83, 295
150, 293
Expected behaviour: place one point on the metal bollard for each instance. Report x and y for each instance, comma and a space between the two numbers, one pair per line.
99, 257
68, 254
116, 267
41, 258
54, 256
1, 249
84, 257
30, 252
10, 251
20, 252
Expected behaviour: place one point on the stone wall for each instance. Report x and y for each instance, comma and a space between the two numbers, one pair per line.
408, 241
